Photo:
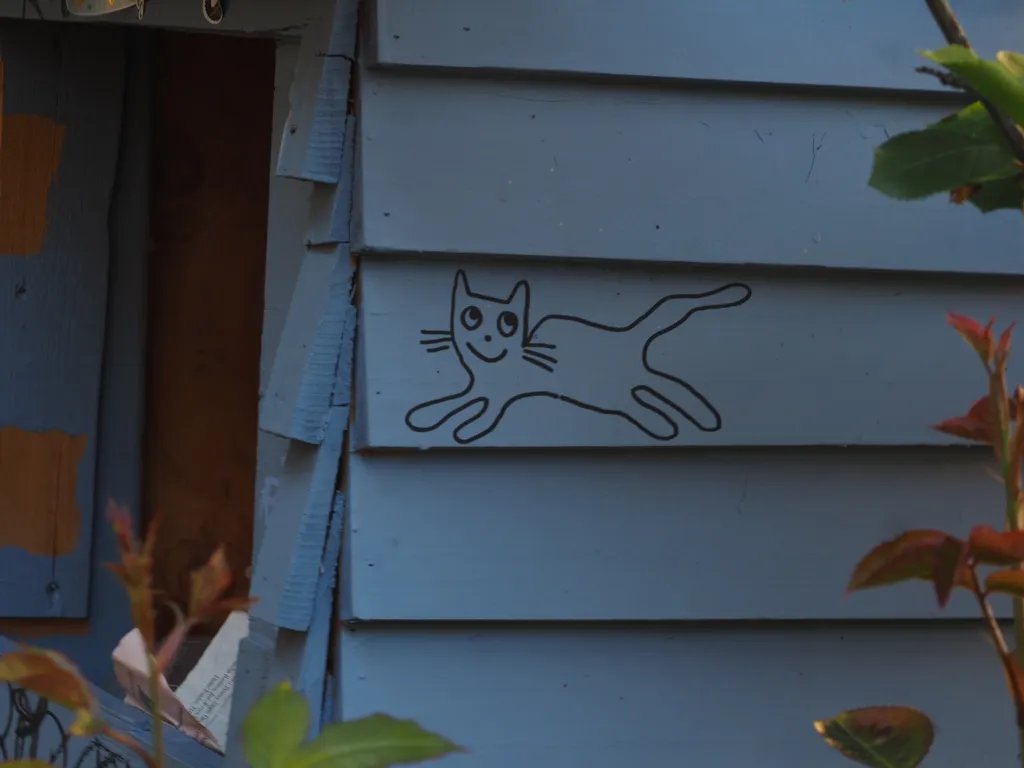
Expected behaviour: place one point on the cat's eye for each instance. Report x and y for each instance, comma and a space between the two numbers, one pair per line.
472, 317
508, 323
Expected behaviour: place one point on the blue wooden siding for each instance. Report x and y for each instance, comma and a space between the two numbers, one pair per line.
750, 348
644, 172
740, 695
55, 308
559, 586
801, 42
646, 534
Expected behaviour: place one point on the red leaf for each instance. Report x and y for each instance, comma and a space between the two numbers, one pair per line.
960, 195
976, 425
993, 547
51, 674
979, 339
209, 582
1008, 582
135, 570
1002, 350
928, 555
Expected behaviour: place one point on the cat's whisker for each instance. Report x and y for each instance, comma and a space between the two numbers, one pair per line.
539, 364
439, 349
439, 340
538, 345
435, 333
540, 355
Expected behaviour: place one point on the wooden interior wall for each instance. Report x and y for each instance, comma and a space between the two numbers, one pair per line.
209, 194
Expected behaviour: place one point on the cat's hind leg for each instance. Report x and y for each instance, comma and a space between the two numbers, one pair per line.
428, 416
649, 414
682, 398
480, 424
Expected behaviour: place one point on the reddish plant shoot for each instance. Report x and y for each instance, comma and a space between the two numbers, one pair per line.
900, 737
52, 675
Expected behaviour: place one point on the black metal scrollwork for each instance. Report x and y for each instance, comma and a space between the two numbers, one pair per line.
32, 731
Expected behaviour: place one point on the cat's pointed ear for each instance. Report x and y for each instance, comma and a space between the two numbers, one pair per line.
461, 283
520, 294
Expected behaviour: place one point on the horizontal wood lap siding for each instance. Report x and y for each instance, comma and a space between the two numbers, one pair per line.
623, 535
804, 42
608, 423
644, 173
640, 695
53, 307
759, 359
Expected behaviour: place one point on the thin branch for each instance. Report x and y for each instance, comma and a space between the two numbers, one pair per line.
1004, 652
948, 22
948, 79
955, 35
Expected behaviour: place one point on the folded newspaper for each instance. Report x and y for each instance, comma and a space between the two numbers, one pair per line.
201, 706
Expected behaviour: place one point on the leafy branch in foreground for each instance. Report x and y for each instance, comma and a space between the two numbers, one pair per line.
275, 728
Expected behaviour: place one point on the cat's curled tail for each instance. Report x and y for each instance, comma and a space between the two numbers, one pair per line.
674, 310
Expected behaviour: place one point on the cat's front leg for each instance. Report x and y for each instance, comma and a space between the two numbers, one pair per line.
428, 416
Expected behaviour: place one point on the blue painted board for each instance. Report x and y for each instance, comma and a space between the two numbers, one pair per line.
657, 695
642, 535
53, 304
119, 471
484, 353
630, 172
868, 44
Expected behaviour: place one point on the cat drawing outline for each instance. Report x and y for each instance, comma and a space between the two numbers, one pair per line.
565, 358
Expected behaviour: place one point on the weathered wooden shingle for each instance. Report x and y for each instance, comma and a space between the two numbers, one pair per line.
331, 204
298, 393
312, 677
313, 140
285, 575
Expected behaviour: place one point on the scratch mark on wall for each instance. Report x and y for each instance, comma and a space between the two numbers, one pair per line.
29, 158
38, 475
816, 145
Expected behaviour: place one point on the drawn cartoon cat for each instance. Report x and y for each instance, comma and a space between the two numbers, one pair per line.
565, 358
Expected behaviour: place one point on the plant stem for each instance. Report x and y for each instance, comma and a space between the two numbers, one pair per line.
1004, 652
158, 721
955, 35
132, 744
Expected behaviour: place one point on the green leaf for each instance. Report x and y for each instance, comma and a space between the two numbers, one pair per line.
989, 79
962, 149
1014, 62
275, 727
377, 741
880, 737
999, 194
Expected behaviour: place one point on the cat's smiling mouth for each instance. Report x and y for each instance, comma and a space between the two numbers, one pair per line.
484, 357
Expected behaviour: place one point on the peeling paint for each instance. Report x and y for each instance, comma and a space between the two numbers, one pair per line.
29, 158
38, 475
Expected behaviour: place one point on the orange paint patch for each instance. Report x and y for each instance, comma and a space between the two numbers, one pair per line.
30, 151
38, 474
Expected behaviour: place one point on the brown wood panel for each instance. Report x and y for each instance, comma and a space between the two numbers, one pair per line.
209, 196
